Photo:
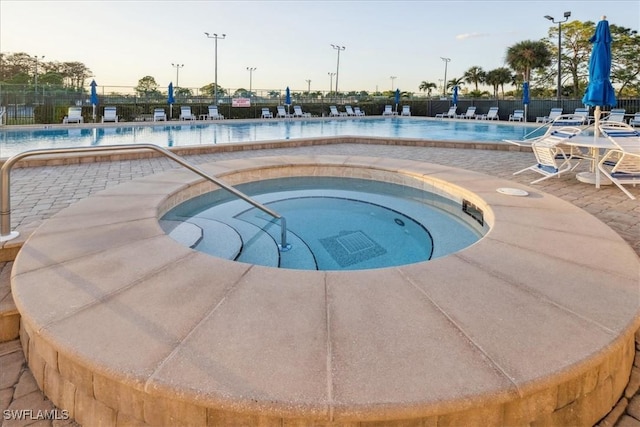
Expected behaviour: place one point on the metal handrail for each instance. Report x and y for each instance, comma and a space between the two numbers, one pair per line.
5, 184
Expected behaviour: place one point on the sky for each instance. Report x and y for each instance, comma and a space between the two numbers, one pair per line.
287, 42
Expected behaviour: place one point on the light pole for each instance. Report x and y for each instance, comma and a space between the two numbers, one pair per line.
566, 18
251, 70
308, 87
215, 38
392, 79
338, 48
331, 82
36, 74
444, 84
177, 67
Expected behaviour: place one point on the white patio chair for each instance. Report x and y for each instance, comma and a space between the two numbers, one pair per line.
616, 115
516, 116
622, 164
451, 114
282, 113
159, 115
266, 114
214, 114
553, 114
469, 114
110, 115
358, 111
551, 158
388, 111
406, 110
333, 112
74, 115
635, 120
492, 114
185, 113
297, 112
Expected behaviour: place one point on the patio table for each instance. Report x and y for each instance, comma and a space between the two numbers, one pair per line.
594, 144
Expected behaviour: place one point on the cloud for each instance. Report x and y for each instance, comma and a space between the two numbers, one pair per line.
471, 36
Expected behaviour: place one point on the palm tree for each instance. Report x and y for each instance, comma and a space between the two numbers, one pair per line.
528, 55
498, 78
475, 75
427, 87
456, 81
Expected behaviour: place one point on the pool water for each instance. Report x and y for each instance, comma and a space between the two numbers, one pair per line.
189, 134
332, 224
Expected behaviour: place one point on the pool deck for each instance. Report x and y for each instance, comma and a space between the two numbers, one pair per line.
40, 192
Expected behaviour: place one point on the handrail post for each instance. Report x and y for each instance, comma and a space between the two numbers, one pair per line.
5, 184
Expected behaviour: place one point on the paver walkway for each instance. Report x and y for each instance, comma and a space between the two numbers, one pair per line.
39, 192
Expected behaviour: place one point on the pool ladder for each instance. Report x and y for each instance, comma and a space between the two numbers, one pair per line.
5, 184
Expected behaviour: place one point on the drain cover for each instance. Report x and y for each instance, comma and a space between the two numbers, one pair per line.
351, 247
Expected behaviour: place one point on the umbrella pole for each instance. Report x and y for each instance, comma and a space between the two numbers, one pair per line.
526, 108
596, 122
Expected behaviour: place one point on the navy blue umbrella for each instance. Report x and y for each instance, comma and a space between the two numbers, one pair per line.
599, 90
94, 98
287, 98
170, 99
525, 98
455, 95
397, 98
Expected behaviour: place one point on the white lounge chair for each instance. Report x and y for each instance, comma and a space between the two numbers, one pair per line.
185, 113
297, 112
635, 120
551, 159
74, 115
349, 110
616, 115
451, 114
110, 115
266, 114
406, 110
517, 116
159, 115
333, 112
492, 114
388, 111
358, 112
469, 114
553, 114
282, 113
622, 165
214, 114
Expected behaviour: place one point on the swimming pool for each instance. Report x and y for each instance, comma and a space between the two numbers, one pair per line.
193, 134
332, 224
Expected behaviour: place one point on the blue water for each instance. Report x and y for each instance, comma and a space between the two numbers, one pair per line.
332, 224
190, 134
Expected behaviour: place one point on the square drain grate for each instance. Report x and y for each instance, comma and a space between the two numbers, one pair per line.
351, 247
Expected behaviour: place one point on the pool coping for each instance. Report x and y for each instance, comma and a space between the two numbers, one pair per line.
123, 221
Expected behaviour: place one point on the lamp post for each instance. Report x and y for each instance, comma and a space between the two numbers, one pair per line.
331, 81
36, 75
251, 70
177, 67
215, 37
566, 18
338, 48
392, 79
444, 83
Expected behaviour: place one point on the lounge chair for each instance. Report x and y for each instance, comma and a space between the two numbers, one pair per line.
622, 164
469, 114
333, 112
553, 114
214, 114
185, 113
492, 114
74, 115
297, 112
358, 112
349, 110
282, 113
451, 114
616, 115
551, 159
406, 110
388, 111
266, 114
110, 115
517, 116
159, 115
635, 120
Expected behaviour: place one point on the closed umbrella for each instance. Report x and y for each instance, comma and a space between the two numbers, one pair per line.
599, 90
287, 98
455, 95
94, 98
397, 98
170, 99
525, 98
